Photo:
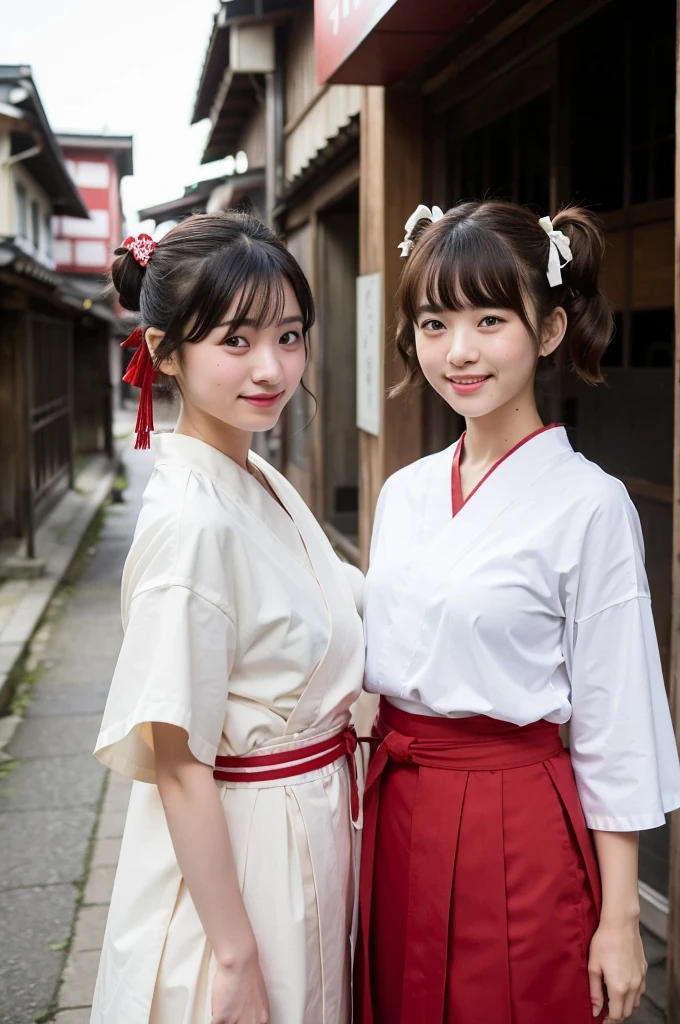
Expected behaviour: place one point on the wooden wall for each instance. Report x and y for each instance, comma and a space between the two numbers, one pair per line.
390, 188
314, 114
10, 425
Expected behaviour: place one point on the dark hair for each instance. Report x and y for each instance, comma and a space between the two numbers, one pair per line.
495, 253
200, 268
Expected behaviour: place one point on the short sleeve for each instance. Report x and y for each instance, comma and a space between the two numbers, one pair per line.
621, 736
173, 667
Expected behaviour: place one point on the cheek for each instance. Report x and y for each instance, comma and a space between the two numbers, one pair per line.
430, 353
515, 354
293, 364
207, 368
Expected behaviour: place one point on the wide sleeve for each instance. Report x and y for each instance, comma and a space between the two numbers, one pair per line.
173, 667
621, 736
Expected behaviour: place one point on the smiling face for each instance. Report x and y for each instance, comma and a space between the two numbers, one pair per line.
479, 359
241, 375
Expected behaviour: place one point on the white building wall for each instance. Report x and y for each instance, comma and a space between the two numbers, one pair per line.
17, 177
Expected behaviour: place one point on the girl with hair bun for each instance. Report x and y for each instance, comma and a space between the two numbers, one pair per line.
507, 596
243, 653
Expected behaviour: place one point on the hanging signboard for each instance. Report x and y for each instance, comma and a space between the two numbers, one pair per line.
369, 352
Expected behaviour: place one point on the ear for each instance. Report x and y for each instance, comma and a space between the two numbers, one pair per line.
153, 338
554, 330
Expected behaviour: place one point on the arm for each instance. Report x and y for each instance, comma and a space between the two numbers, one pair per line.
617, 958
200, 836
622, 741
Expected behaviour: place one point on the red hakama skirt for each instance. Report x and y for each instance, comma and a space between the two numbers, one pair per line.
480, 889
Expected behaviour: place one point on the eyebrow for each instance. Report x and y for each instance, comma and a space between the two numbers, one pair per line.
253, 323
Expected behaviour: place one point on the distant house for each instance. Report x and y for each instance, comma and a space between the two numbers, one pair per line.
210, 196
53, 404
83, 250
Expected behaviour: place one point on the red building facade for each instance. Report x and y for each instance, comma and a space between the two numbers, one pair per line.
96, 164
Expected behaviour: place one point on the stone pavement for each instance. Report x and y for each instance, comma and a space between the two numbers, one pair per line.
52, 794
23, 602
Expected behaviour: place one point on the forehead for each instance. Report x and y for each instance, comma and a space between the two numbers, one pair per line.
263, 304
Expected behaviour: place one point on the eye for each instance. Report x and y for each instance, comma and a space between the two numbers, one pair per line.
433, 325
289, 338
233, 341
490, 321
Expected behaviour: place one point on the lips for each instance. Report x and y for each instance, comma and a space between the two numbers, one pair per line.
468, 385
262, 401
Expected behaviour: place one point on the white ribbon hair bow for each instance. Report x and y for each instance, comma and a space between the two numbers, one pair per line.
559, 246
420, 213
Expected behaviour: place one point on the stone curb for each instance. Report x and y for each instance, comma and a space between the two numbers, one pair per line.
31, 605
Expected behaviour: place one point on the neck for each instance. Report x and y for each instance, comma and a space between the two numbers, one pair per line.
489, 438
231, 441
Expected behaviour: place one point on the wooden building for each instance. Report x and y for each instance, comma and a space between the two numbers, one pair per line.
362, 110
83, 251
259, 89
208, 196
37, 428
546, 102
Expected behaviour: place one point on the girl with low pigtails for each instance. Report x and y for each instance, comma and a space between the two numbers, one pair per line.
507, 596
243, 652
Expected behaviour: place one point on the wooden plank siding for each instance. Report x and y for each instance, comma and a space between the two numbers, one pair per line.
314, 113
390, 187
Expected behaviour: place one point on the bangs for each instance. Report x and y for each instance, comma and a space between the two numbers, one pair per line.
246, 283
465, 268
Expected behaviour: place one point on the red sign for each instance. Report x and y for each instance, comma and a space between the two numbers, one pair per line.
339, 28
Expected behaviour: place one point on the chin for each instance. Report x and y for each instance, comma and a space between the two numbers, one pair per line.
259, 424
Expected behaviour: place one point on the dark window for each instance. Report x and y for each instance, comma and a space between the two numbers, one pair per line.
22, 211
510, 158
652, 102
35, 225
533, 153
49, 238
623, 107
652, 332
596, 90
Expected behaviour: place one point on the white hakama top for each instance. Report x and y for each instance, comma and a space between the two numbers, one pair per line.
530, 603
241, 628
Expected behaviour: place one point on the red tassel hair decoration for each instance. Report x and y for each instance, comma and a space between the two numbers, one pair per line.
141, 374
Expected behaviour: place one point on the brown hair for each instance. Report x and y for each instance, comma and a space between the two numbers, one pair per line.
495, 253
200, 268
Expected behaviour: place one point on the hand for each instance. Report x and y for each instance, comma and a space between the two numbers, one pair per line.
617, 962
239, 995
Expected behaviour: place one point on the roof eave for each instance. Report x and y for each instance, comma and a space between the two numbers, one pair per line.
66, 198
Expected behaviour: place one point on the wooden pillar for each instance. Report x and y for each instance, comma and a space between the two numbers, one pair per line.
390, 186
674, 879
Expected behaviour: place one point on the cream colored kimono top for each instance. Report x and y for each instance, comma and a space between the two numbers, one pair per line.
241, 627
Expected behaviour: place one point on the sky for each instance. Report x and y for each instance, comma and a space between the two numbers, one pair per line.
129, 67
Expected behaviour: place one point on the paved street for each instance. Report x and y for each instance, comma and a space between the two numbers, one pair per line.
52, 798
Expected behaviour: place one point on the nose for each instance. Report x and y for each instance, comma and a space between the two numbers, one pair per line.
463, 349
267, 366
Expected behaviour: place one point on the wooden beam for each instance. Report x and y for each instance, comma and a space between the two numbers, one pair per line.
390, 187
674, 868
326, 194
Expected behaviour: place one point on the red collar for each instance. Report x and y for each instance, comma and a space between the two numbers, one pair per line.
457, 500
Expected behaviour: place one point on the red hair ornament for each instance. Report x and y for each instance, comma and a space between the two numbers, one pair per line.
141, 247
141, 373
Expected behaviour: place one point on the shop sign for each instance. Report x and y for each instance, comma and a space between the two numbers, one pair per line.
369, 352
339, 28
